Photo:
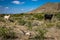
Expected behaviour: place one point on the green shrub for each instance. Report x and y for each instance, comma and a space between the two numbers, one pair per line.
29, 25
57, 16
2, 19
41, 32
22, 22
38, 16
6, 33
58, 25
49, 25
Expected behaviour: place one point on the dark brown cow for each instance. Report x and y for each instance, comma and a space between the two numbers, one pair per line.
48, 16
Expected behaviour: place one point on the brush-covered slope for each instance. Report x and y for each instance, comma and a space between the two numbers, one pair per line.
19, 24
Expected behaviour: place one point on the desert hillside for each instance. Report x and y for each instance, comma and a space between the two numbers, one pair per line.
48, 7
29, 27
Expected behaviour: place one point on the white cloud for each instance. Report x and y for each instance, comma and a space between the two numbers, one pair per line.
34, 0
17, 2
22, 9
6, 7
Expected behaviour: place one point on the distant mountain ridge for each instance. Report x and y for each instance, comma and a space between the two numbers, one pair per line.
48, 7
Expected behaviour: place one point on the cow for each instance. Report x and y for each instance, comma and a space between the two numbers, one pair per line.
7, 17
48, 16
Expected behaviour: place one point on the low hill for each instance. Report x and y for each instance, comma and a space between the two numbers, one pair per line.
48, 7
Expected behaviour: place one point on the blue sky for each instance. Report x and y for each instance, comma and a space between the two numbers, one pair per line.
21, 6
